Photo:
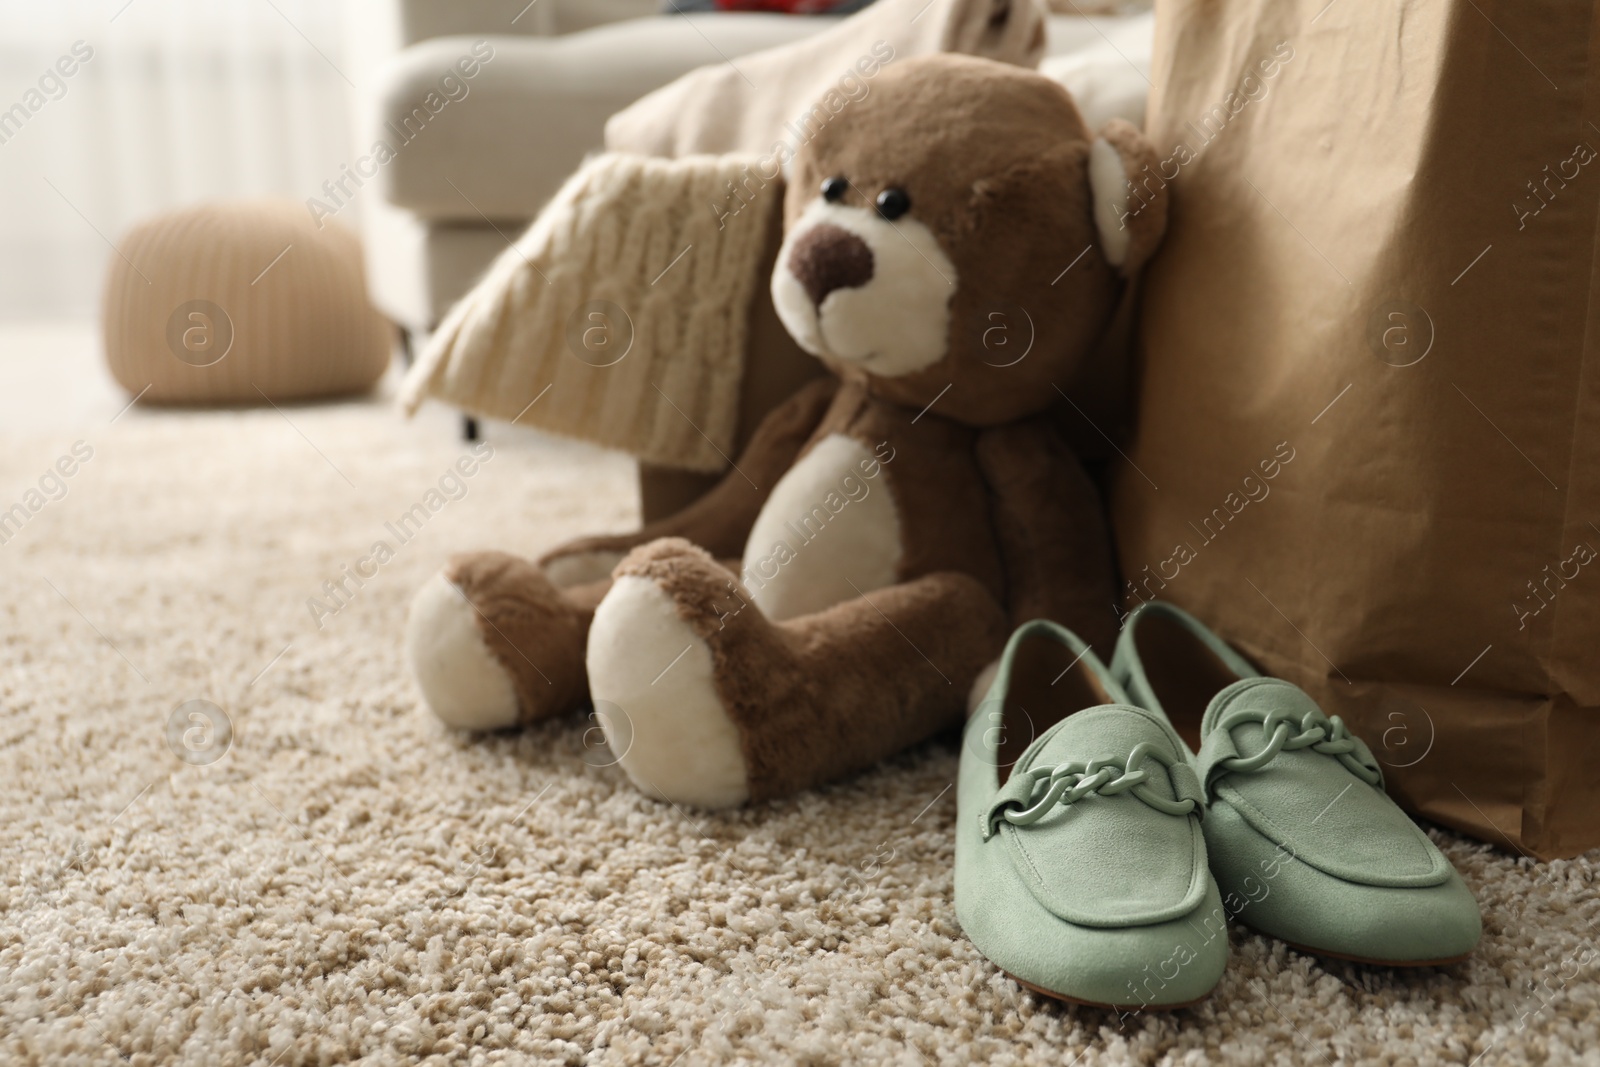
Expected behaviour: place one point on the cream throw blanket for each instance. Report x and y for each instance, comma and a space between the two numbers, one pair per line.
620, 316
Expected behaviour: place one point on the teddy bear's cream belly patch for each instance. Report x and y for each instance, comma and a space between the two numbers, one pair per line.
828, 530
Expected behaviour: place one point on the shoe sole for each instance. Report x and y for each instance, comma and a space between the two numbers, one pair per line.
1368, 961
1330, 954
1307, 949
1064, 999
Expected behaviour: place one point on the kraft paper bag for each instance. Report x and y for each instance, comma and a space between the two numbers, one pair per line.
1368, 424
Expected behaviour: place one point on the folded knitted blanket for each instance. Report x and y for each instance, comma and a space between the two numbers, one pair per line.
620, 316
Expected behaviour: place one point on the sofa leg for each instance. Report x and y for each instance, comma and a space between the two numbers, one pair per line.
469, 428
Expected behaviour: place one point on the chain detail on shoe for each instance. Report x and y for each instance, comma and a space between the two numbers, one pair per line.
1033, 793
1288, 733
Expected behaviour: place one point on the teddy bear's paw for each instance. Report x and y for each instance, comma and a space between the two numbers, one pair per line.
493, 643
652, 679
460, 677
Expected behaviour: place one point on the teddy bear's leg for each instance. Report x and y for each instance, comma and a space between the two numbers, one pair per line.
493, 643
707, 702
1053, 536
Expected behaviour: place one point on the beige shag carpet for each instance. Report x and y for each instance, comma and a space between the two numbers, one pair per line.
351, 882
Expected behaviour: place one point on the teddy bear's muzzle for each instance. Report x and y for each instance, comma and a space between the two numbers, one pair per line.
827, 258
854, 287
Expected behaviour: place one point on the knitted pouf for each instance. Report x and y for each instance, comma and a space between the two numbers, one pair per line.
241, 302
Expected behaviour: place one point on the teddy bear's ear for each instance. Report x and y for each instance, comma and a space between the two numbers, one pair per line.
1130, 199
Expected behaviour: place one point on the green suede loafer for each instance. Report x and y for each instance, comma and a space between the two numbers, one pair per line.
1305, 844
1080, 863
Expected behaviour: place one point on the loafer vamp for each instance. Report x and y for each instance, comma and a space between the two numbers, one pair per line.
1264, 887
1109, 859
1307, 803
1156, 965
1010, 898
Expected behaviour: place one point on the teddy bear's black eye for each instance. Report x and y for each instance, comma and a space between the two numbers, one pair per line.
833, 189
892, 203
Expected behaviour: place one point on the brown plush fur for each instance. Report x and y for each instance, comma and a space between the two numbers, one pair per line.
835, 692
1047, 519
998, 522
1011, 208
938, 490
720, 521
536, 631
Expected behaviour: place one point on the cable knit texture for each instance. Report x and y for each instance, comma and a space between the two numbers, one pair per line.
628, 299
241, 302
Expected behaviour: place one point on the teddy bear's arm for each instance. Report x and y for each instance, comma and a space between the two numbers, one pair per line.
720, 521
1054, 542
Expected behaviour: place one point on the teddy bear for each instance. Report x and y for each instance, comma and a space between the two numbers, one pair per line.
955, 244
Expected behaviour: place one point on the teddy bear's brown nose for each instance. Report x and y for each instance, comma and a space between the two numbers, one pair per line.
828, 257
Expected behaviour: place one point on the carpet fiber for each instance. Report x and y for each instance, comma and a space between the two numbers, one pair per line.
343, 879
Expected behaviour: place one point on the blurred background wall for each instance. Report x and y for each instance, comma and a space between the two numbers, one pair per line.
177, 100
